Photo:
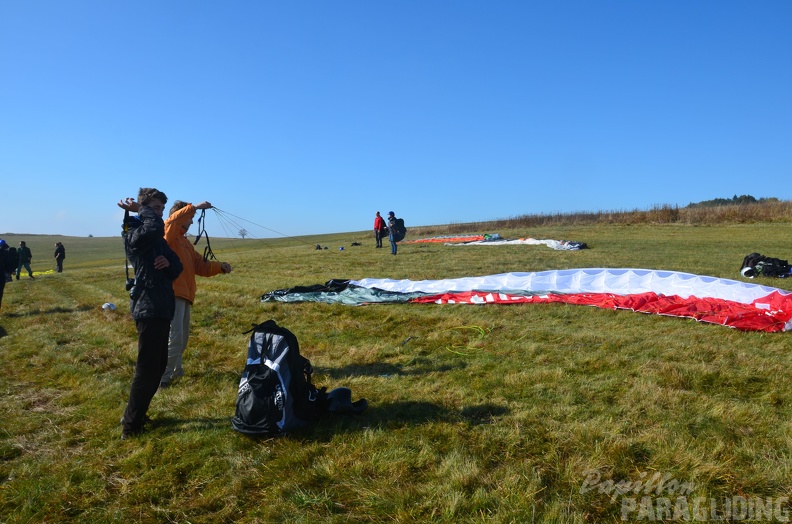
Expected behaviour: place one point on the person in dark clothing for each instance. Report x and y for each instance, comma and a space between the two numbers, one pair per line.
14, 256
379, 229
392, 231
152, 301
7, 266
25, 256
9, 260
60, 254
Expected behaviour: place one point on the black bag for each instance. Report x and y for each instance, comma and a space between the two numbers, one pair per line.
275, 393
773, 267
751, 260
756, 264
399, 231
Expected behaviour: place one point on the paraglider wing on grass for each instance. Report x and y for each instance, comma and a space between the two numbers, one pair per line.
727, 302
496, 240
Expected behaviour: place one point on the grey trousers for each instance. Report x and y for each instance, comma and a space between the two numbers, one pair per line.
177, 342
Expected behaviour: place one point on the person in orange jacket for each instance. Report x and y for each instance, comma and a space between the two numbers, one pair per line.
176, 226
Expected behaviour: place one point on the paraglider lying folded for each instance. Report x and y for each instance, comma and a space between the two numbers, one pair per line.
495, 239
558, 245
731, 303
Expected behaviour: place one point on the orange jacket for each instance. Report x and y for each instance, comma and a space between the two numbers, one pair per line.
193, 262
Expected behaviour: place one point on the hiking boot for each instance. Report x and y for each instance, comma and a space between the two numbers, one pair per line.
130, 434
174, 378
146, 420
125, 434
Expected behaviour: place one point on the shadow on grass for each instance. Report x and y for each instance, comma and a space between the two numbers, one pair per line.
50, 311
186, 424
378, 369
402, 414
389, 415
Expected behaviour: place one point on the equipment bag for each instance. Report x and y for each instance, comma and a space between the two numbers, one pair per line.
757, 264
399, 231
275, 393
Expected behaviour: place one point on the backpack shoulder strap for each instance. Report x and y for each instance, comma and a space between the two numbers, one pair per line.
268, 325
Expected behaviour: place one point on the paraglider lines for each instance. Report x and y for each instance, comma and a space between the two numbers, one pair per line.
469, 344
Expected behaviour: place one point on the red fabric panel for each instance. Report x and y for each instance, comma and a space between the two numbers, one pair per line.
770, 313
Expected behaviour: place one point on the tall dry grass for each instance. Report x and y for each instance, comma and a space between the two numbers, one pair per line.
765, 212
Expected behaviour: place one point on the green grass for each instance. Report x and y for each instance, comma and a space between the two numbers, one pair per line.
477, 414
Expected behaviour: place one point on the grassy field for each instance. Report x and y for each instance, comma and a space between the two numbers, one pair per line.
537, 413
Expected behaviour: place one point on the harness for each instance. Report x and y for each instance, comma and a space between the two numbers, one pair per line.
130, 282
208, 254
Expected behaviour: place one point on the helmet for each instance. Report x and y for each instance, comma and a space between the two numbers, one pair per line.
748, 272
3, 243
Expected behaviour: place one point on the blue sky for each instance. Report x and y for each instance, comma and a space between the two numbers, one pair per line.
306, 117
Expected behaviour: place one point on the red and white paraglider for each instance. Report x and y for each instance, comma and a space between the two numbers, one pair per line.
722, 301
731, 303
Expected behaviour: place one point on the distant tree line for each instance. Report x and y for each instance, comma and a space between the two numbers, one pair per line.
733, 201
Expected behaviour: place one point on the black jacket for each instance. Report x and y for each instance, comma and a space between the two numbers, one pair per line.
7, 262
152, 296
25, 255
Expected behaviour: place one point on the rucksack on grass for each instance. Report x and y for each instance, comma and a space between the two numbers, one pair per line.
275, 393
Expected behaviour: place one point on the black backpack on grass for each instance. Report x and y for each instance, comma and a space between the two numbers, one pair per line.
757, 264
275, 393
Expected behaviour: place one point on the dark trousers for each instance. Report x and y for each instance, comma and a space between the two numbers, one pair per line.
151, 362
378, 237
26, 265
2, 287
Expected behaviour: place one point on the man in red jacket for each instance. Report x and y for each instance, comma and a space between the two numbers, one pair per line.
176, 227
379, 228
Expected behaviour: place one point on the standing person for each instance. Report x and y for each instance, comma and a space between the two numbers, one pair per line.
152, 301
8, 262
379, 228
25, 256
176, 227
60, 254
14, 257
392, 231
6, 266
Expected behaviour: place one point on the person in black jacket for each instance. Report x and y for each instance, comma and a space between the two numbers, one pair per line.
25, 256
60, 254
7, 267
152, 301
